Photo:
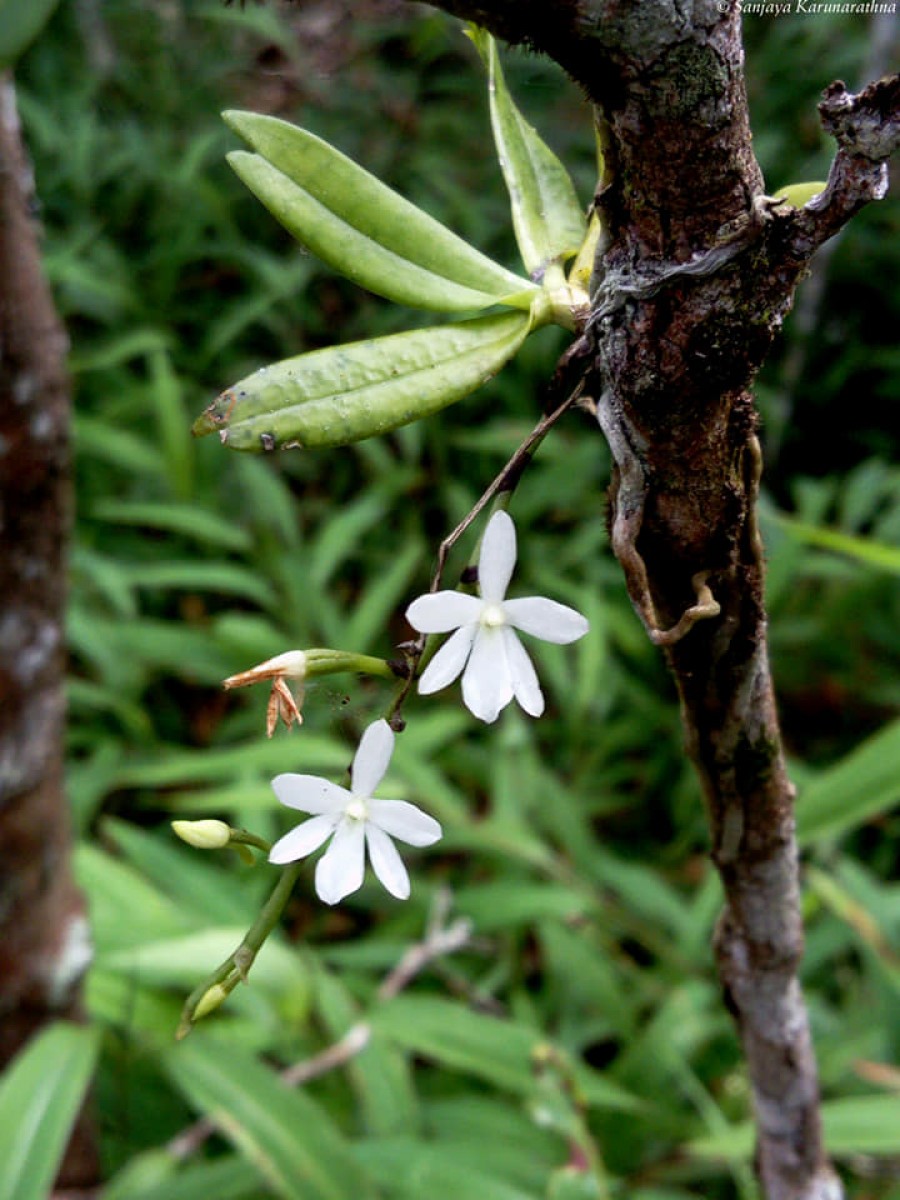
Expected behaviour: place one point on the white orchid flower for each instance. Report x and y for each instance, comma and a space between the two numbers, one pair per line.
494, 664
353, 820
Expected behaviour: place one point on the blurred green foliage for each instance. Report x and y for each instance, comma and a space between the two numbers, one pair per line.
583, 1021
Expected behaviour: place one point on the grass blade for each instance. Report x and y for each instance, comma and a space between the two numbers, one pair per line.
282, 1132
40, 1095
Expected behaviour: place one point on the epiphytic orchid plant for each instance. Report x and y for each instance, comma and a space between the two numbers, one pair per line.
342, 394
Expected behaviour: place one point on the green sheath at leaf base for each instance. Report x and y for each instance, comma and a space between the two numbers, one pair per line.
582, 268
342, 394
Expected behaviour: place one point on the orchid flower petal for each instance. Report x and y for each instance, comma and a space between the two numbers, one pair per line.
525, 684
439, 612
402, 820
546, 619
487, 685
448, 662
497, 558
310, 794
303, 839
372, 757
387, 863
341, 868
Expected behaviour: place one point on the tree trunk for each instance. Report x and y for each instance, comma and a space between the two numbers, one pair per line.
44, 943
696, 271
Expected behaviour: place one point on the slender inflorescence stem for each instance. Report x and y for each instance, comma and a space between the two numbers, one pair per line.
439, 941
213, 990
234, 969
502, 484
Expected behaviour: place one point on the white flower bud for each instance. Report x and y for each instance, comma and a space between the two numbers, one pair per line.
203, 835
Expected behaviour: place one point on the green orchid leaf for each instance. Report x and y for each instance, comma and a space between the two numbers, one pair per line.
363, 228
548, 220
342, 394
798, 194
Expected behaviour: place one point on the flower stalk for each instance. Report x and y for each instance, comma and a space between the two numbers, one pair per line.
216, 987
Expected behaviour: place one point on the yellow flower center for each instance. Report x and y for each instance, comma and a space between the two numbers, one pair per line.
493, 616
356, 810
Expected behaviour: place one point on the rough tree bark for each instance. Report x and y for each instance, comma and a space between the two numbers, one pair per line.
696, 272
44, 944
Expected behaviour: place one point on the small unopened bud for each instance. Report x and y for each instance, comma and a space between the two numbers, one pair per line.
203, 835
210, 1001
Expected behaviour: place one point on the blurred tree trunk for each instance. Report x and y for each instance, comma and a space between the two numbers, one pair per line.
695, 272
44, 942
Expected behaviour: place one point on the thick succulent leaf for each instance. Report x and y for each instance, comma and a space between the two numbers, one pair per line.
547, 217
345, 393
361, 227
